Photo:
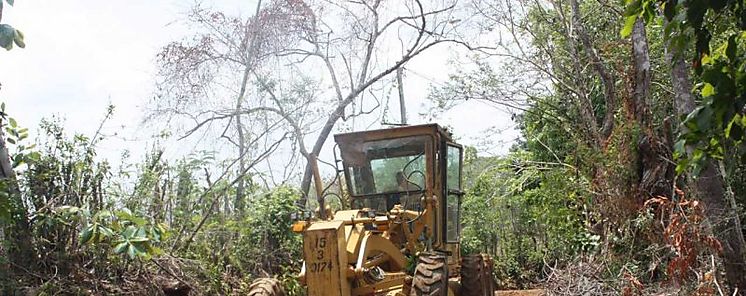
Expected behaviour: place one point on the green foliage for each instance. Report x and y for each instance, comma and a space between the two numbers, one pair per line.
715, 31
8, 34
128, 233
534, 213
716, 128
21, 155
258, 244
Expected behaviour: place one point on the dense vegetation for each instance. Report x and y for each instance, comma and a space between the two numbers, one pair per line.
628, 177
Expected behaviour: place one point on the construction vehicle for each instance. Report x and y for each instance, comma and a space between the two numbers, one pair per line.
400, 233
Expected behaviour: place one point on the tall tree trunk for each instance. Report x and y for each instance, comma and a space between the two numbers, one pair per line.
643, 77
710, 187
238, 205
655, 173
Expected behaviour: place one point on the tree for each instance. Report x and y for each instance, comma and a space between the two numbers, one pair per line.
198, 81
712, 129
352, 48
348, 40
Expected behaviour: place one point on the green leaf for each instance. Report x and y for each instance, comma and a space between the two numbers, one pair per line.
86, 234
34, 156
103, 214
680, 147
10, 2
2, 105
681, 166
18, 39
629, 24
139, 239
7, 34
633, 8
11, 141
704, 118
106, 231
708, 90
129, 232
131, 251
734, 130
12, 122
121, 247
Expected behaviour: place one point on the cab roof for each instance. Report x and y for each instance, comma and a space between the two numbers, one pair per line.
395, 132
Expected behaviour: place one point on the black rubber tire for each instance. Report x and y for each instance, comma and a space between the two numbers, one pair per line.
266, 287
476, 276
430, 276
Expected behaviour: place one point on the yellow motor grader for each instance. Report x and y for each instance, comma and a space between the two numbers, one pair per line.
400, 235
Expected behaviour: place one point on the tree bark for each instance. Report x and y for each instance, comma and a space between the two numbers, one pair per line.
655, 174
710, 187
606, 76
641, 57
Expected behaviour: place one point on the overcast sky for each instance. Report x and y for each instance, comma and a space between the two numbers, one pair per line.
84, 55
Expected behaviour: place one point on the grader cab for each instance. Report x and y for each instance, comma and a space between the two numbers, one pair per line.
400, 233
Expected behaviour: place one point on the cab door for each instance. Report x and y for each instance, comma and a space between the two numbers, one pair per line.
453, 193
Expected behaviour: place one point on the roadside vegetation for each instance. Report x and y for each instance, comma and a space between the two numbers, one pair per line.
629, 175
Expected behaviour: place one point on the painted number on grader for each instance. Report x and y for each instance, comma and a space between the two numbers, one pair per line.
322, 263
320, 266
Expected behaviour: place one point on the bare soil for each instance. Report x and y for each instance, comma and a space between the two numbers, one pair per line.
534, 292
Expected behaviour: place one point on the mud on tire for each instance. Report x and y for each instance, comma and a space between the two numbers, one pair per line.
430, 276
266, 287
476, 276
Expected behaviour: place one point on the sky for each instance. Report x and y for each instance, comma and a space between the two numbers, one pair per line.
81, 56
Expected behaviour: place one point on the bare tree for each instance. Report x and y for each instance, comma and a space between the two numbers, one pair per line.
208, 80
355, 44
354, 39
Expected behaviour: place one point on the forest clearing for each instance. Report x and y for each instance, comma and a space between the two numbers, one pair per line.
373, 147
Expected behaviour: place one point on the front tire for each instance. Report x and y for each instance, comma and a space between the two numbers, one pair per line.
430, 276
476, 276
266, 287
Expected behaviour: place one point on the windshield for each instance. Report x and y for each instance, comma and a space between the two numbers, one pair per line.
386, 166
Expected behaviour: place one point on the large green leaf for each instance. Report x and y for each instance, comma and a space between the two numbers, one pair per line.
121, 247
129, 232
629, 24
131, 251
7, 35
18, 39
87, 233
106, 231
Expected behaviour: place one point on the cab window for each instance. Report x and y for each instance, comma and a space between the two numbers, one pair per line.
453, 193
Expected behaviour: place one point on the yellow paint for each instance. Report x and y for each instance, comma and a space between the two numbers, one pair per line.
326, 270
299, 226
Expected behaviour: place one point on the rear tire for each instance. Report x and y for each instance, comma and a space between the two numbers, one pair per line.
430, 276
476, 276
266, 287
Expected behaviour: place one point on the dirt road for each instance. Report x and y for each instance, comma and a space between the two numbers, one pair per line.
535, 292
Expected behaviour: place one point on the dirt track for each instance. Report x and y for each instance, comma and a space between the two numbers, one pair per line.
535, 292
